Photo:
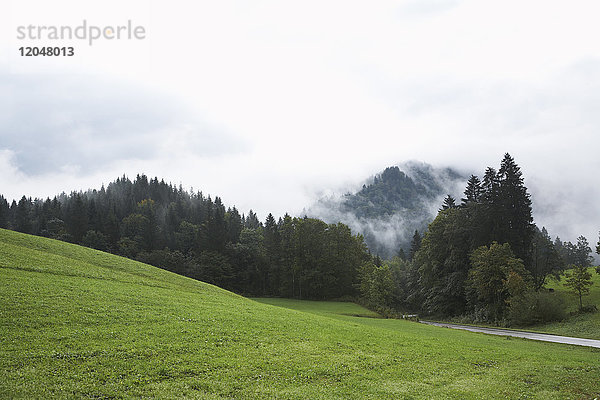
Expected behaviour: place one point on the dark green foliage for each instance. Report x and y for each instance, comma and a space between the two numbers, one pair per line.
23, 222
545, 259
251, 221
415, 245
233, 220
582, 256
516, 221
401, 254
187, 237
377, 286
495, 276
173, 261
532, 308
137, 228
77, 218
4, 212
193, 235
212, 267
384, 285
496, 209
449, 202
95, 240
443, 262
390, 188
55, 228
473, 192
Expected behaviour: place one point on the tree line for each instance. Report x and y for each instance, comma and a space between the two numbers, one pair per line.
482, 258
197, 236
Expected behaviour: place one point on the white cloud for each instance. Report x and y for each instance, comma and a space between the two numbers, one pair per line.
267, 103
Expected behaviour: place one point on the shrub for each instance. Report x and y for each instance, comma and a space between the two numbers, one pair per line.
531, 308
591, 308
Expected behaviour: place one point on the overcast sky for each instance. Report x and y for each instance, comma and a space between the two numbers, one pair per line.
270, 104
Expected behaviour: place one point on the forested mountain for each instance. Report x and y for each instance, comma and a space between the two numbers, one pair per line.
197, 236
392, 205
482, 258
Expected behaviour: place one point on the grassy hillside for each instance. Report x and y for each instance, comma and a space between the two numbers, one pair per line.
75, 322
333, 309
581, 325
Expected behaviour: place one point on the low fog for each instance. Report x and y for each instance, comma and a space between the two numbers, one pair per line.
387, 234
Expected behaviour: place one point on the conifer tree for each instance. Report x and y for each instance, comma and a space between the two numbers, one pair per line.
251, 221
234, 225
490, 186
582, 254
473, 192
516, 221
449, 202
77, 223
415, 245
216, 227
22, 215
4, 212
401, 254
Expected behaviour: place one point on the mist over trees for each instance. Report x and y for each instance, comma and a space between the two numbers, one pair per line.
391, 205
198, 236
483, 258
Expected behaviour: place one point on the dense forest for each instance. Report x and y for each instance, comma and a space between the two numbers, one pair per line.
482, 257
194, 235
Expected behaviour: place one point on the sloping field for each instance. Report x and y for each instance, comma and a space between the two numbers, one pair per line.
585, 325
78, 323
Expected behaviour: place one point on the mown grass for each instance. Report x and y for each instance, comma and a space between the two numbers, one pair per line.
585, 325
78, 323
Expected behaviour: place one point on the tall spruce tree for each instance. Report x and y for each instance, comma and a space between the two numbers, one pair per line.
473, 192
415, 245
490, 186
516, 221
582, 255
77, 221
22, 213
449, 202
4, 212
233, 220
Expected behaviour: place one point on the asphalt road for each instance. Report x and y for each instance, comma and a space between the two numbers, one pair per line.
526, 335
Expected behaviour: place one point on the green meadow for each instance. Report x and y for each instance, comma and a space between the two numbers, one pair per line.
585, 325
79, 323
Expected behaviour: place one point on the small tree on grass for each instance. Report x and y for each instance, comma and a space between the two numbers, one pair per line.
579, 281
